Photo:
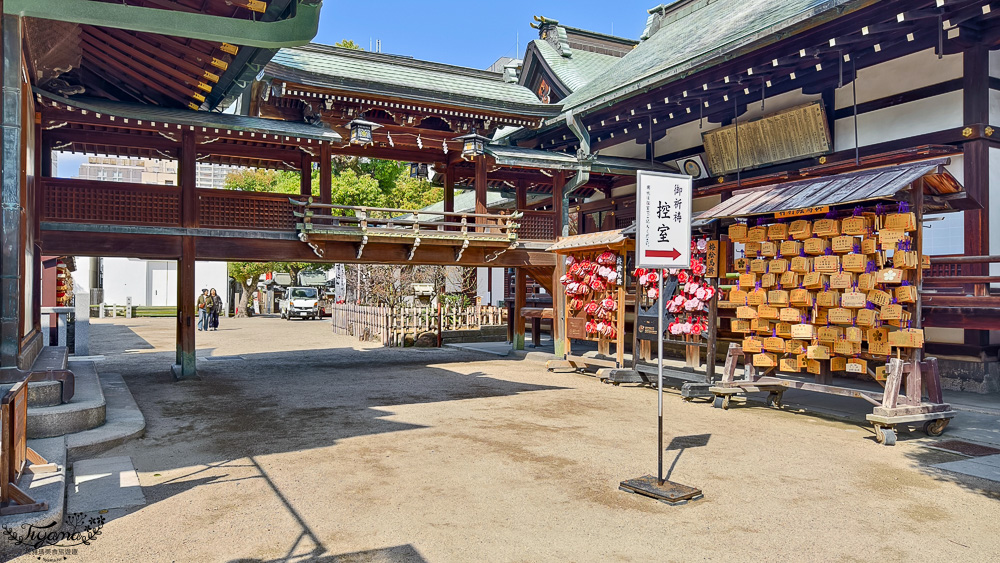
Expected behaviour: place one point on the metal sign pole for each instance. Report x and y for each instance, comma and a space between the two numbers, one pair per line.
659, 378
663, 240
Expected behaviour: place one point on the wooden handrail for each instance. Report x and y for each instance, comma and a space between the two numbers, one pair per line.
367, 209
961, 259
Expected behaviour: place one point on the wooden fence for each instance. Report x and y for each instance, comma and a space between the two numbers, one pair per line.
391, 325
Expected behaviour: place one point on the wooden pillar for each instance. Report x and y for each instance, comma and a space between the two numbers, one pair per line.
449, 189
325, 174
184, 365
558, 187
520, 298
976, 164
305, 175
481, 190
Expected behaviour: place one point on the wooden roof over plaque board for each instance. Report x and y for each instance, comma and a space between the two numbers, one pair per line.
841, 189
612, 240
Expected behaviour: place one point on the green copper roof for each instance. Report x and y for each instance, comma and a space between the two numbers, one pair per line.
577, 70
697, 34
197, 119
361, 72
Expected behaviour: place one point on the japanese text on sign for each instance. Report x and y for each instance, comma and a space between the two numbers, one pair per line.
663, 235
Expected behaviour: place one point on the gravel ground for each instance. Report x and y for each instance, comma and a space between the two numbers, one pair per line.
299, 445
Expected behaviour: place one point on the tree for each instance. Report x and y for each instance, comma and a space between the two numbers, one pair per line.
246, 274
272, 181
348, 44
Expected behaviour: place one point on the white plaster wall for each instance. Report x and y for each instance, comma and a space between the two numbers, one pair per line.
898, 122
482, 285
628, 149
901, 75
124, 278
994, 94
129, 277
85, 268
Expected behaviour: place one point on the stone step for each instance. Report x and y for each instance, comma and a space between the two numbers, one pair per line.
40, 393
51, 357
49, 488
123, 422
85, 411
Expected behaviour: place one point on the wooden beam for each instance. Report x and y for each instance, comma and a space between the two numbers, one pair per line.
976, 165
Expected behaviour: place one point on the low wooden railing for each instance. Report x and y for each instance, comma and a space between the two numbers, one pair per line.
121, 203
391, 325
961, 274
114, 203
538, 225
369, 220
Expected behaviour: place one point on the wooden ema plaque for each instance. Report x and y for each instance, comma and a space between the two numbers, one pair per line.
768, 249
802, 264
856, 365
738, 232
801, 298
841, 280
739, 325
789, 279
866, 317
777, 231
840, 316
818, 352
838, 364
889, 275
790, 248
828, 298
846, 347
795, 346
765, 360
752, 345
869, 246
741, 264
854, 226
790, 315
767, 312
768, 280
783, 330
745, 312
905, 259
879, 298
892, 312
778, 266
803, 331
758, 266
756, 297
888, 238
752, 249
814, 367
747, 281
906, 294
829, 333
907, 338
774, 344
901, 221
816, 246
761, 326
866, 282
777, 297
813, 280
854, 263
827, 264
843, 244
854, 334
789, 365
826, 228
800, 229
757, 234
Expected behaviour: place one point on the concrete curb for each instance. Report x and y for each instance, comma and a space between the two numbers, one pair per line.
124, 421
85, 411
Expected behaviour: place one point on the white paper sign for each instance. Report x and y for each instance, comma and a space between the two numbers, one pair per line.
663, 223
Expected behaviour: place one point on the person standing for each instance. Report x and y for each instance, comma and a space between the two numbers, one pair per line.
203, 308
216, 300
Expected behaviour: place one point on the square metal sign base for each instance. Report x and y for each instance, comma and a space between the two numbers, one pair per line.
669, 492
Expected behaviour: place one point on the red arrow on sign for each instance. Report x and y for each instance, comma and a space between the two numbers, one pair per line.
673, 254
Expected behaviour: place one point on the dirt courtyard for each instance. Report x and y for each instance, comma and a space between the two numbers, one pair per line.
300, 445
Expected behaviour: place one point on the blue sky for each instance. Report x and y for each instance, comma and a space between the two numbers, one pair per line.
470, 33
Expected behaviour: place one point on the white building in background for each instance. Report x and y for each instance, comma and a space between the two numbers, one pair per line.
149, 283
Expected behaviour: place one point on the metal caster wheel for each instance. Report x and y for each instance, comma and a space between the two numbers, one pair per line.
885, 436
774, 400
717, 403
936, 427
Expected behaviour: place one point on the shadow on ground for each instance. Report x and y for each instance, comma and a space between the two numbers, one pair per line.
115, 339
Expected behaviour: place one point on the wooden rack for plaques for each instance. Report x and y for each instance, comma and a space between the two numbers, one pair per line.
589, 247
904, 377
